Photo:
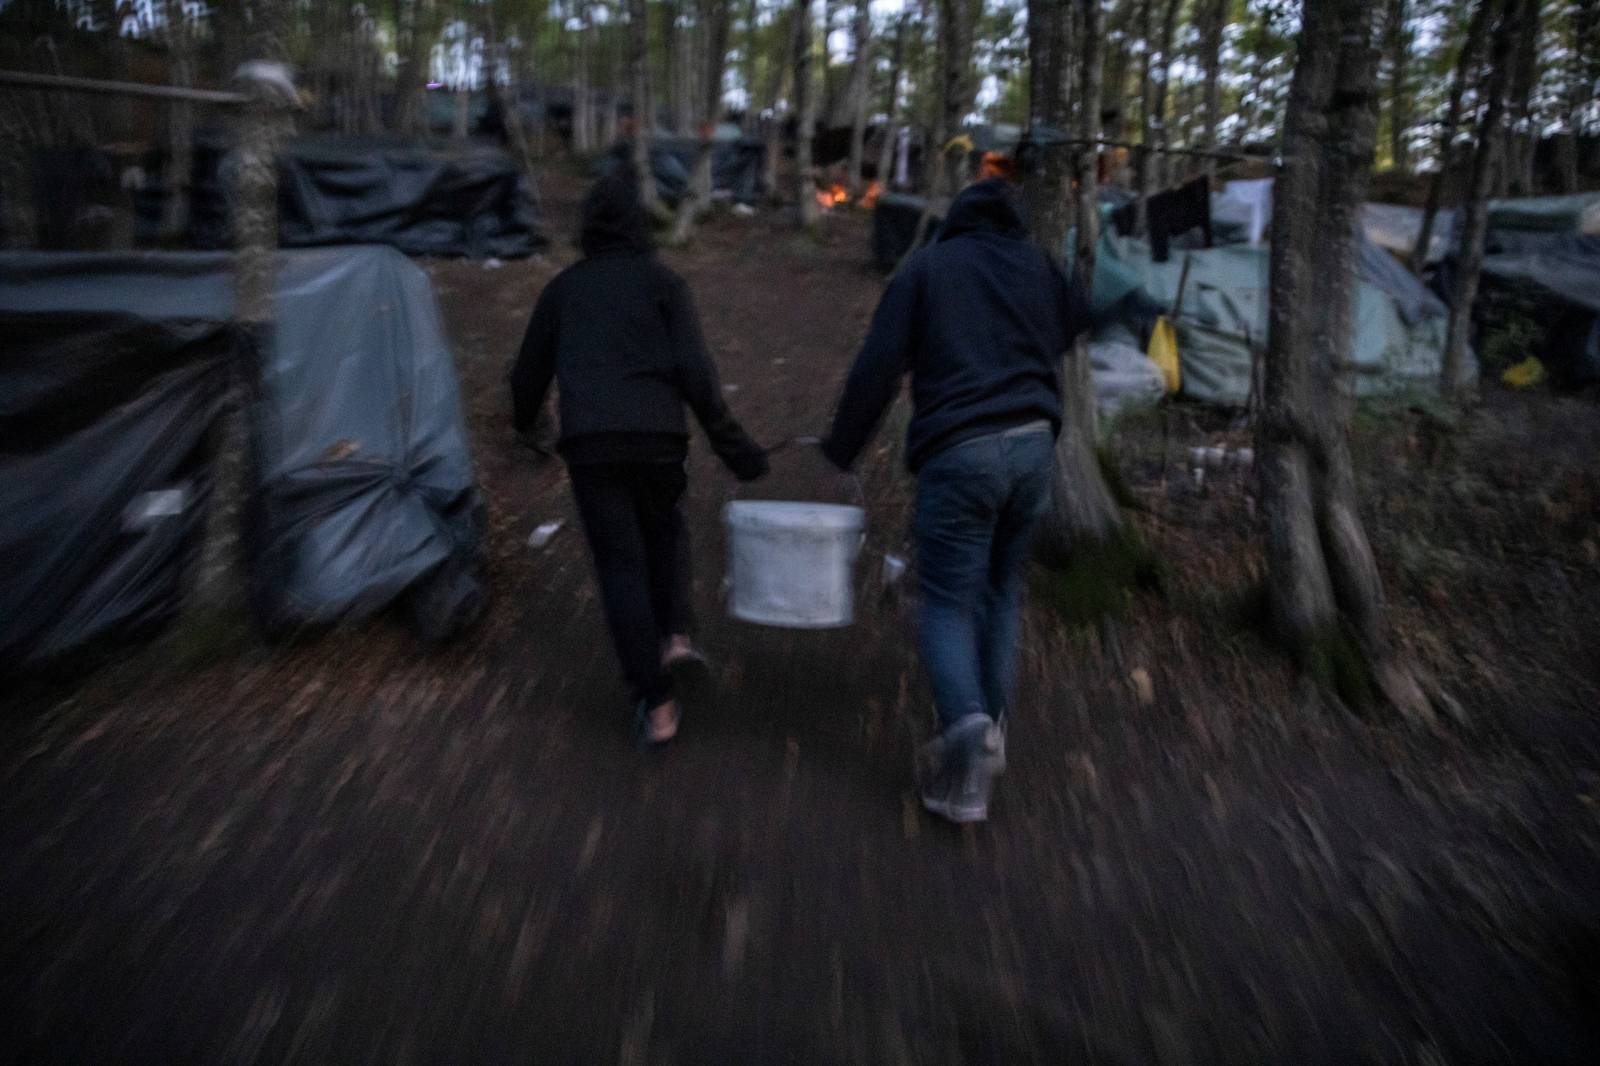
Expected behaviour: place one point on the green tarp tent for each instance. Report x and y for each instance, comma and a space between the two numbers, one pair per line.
1222, 319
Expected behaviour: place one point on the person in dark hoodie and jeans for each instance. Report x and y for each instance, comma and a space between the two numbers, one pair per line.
980, 320
619, 333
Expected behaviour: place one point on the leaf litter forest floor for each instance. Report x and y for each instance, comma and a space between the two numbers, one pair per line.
362, 849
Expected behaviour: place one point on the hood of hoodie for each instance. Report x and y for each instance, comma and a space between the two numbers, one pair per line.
986, 207
614, 218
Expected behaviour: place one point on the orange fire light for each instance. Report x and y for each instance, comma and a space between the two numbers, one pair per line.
870, 197
833, 196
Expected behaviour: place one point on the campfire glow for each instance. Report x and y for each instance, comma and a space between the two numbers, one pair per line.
833, 196
870, 197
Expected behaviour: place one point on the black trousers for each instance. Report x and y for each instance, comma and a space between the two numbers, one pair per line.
640, 545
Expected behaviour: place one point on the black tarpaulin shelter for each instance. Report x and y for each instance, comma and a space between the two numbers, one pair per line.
113, 369
1550, 282
894, 227
737, 166
422, 197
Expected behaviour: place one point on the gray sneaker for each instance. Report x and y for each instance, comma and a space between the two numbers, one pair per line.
957, 768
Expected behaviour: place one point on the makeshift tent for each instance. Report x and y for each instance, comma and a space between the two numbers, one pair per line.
737, 165
112, 374
1221, 318
1396, 228
424, 198
894, 227
1551, 282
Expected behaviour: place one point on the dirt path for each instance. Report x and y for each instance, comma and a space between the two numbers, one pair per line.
362, 850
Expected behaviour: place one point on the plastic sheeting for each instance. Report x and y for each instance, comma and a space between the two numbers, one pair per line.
1124, 378
107, 397
112, 376
424, 198
366, 488
1222, 320
1396, 229
894, 227
1578, 213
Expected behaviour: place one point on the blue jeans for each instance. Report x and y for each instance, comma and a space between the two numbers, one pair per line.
977, 503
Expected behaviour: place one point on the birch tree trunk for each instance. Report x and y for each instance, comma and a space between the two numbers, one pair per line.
1488, 155
582, 101
805, 94
860, 71
1466, 62
697, 200
643, 104
891, 104
216, 608
1322, 579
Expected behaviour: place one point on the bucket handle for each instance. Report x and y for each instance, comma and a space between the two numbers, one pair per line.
849, 477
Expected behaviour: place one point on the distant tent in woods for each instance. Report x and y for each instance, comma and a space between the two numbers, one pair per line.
115, 370
737, 166
422, 197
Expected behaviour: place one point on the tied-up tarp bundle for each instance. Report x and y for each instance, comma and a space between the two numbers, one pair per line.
424, 198
113, 371
109, 391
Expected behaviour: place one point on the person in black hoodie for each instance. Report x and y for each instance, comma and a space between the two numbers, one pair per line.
619, 333
980, 320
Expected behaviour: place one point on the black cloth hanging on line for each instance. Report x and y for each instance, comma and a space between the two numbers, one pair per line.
1169, 214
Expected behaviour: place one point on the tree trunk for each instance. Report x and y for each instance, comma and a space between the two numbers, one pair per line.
1583, 70
643, 105
860, 71
747, 64
1083, 513
1091, 54
805, 100
697, 201
180, 126
1322, 580
1163, 76
582, 103
891, 104
1144, 163
1471, 45
216, 608
1488, 155
1213, 15
1046, 179
411, 77
1516, 171
957, 25
1397, 40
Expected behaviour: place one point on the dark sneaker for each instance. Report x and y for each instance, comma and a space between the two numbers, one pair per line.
957, 769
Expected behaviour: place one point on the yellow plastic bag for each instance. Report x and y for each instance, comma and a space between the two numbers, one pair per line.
1163, 352
1525, 375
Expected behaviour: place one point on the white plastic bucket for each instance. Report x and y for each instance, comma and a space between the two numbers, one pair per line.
793, 564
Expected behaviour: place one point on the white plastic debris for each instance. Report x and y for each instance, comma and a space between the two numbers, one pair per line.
894, 568
493, 264
149, 508
1215, 457
543, 534
744, 210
